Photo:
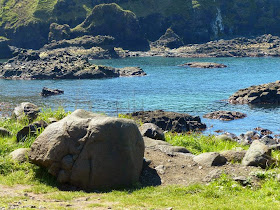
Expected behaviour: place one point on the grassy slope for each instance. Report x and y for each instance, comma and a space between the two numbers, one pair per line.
223, 193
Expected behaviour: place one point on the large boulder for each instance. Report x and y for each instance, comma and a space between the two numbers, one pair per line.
91, 151
26, 109
5, 51
112, 20
260, 94
209, 159
170, 121
258, 154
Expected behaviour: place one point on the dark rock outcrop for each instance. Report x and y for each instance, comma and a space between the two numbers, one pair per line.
260, 94
112, 20
170, 40
152, 131
225, 115
91, 151
49, 92
59, 32
204, 65
59, 64
31, 130
5, 51
170, 121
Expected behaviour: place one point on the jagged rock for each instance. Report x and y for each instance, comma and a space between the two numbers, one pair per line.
20, 155
249, 137
170, 121
152, 131
207, 65
4, 132
234, 155
225, 115
258, 154
59, 64
105, 19
27, 109
49, 92
260, 94
210, 159
30, 130
170, 39
268, 140
59, 32
91, 151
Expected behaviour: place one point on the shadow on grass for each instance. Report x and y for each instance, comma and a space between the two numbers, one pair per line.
148, 177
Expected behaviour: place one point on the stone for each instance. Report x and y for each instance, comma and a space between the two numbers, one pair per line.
4, 132
207, 65
260, 94
225, 115
152, 131
152, 143
170, 121
160, 169
49, 92
172, 150
5, 50
268, 140
234, 155
20, 155
59, 32
258, 154
170, 39
214, 174
27, 109
31, 130
210, 159
91, 151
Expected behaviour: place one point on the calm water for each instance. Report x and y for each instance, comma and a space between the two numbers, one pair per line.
167, 86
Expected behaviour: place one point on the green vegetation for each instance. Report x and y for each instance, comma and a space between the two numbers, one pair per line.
19, 179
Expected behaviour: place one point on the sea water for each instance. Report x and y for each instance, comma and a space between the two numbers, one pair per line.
167, 86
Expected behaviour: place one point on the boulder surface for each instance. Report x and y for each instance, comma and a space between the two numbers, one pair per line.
91, 151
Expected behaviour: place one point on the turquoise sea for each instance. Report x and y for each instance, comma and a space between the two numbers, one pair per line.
167, 86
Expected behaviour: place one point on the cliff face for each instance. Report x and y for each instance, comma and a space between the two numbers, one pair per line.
26, 22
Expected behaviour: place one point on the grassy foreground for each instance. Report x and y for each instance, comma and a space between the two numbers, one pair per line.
29, 186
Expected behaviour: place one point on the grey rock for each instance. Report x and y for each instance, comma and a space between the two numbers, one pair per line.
258, 154
160, 169
20, 155
225, 115
27, 109
49, 92
30, 130
234, 155
152, 131
210, 159
91, 151
207, 65
151, 143
268, 140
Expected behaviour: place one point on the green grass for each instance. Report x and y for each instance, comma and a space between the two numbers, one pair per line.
198, 143
223, 193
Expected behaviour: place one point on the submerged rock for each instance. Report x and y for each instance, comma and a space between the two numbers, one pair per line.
91, 151
225, 115
207, 65
170, 121
260, 94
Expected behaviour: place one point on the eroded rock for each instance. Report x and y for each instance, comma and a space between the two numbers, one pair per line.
225, 115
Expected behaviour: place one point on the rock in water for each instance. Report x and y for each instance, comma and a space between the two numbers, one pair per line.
260, 94
49, 92
225, 115
204, 65
170, 121
91, 151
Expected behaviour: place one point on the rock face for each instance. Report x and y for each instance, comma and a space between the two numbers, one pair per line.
112, 20
91, 151
170, 121
225, 115
59, 64
5, 51
26, 109
49, 92
152, 131
258, 154
204, 65
210, 159
170, 39
59, 32
260, 94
